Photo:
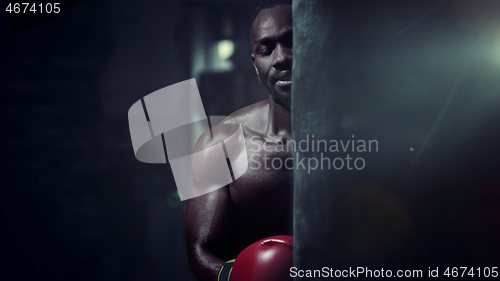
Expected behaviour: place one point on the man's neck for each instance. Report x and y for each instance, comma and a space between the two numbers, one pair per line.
279, 120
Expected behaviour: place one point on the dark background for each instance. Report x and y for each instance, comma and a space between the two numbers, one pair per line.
75, 203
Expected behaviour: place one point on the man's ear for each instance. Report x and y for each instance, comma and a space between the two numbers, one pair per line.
255, 67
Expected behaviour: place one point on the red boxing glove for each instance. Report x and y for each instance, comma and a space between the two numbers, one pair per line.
269, 259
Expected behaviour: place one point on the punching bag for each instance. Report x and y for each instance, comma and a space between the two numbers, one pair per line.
395, 116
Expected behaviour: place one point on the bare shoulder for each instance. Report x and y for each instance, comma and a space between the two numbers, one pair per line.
209, 152
252, 114
251, 118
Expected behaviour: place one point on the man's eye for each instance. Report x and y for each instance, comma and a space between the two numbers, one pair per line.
264, 51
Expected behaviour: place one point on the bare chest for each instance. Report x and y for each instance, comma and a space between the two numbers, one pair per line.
264, 192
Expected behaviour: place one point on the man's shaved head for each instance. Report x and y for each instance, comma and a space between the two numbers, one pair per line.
267, 4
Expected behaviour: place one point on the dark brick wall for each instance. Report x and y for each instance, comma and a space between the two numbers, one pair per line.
75, 203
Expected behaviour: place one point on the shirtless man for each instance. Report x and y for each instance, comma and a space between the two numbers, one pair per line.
220, 224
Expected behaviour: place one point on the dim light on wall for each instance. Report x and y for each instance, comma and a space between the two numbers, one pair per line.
225, 49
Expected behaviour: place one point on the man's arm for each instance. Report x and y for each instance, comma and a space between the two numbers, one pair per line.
210, 219
207, 217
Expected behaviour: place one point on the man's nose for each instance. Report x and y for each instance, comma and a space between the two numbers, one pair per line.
282, 58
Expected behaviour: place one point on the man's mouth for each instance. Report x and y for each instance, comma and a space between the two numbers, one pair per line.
284, 80
282, 83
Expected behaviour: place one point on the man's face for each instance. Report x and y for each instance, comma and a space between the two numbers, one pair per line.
271, 38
